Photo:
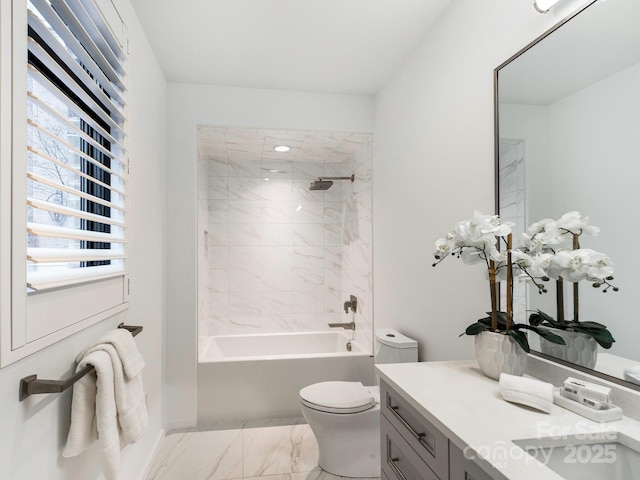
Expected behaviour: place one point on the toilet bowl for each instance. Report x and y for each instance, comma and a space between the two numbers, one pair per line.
345, 419
345, 416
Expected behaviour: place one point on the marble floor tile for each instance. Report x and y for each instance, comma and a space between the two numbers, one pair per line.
213, 455
313, 475
276, 450
274, 422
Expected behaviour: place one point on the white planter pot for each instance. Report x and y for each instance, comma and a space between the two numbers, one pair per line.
497, 353
580, 348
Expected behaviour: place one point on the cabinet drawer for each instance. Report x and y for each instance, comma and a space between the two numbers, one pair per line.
399, 460
463, 468
424, 438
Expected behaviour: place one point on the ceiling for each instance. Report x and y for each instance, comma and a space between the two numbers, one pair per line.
246, 144
333, 46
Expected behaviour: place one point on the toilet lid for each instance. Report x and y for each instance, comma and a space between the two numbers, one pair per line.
337, 397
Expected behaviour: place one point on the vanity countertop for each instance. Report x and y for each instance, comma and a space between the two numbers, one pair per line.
467, 407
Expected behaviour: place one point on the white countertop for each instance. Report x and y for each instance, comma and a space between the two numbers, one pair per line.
613, 364
468, 408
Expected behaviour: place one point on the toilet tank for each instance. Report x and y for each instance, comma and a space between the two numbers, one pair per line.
393, 347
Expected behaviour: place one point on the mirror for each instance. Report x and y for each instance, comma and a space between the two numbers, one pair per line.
568, 139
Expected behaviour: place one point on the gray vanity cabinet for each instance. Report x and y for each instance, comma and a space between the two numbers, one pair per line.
414, 449
462, 468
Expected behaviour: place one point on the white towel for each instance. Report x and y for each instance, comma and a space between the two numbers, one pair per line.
632, 374
127, 349
129, 392
99, 418
106, 405
527, 391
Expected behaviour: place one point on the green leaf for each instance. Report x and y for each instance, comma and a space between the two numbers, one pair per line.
588, 325
485, 321
543, 332
535, 319
521, 338
476, 328
502, 319
555, 323
540, 318
603, 337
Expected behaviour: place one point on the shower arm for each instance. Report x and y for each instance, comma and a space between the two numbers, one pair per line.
352, 178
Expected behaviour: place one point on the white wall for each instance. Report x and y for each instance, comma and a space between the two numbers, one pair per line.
434, 164
190, 106
593, 177
599, 178
34, 431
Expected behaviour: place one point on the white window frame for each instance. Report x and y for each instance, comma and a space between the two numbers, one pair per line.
30, 322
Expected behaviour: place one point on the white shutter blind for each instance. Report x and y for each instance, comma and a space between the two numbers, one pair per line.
76, 167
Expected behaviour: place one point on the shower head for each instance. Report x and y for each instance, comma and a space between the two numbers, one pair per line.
320, 185
324, 183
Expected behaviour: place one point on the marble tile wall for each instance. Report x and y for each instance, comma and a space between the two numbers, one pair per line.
357, 274
512, 190
283, 258
203, 232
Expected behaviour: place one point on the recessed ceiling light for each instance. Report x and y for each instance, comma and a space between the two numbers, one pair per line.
282, 148
274, 170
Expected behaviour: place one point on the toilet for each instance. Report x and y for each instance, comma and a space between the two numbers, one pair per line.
345, 416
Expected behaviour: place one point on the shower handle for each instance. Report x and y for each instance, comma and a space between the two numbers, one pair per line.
352, 304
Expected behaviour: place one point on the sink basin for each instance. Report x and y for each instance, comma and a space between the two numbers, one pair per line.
607, 455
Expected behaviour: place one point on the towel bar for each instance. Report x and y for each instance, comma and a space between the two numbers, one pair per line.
30, 385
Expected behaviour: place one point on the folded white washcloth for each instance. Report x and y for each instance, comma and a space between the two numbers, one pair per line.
527, 391
632, 374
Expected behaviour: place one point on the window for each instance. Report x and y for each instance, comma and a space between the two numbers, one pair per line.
69, 175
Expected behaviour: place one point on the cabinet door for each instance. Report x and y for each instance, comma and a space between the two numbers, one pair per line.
421, 435
399, 460
462, 468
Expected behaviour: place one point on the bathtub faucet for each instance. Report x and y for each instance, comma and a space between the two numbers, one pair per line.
346, 326
352, 304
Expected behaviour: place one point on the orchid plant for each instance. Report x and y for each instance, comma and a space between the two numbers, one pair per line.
555, 246
477, 240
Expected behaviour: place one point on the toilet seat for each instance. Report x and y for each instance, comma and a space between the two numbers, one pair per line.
338, 397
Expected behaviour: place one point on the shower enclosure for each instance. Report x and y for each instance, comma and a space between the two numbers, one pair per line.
284, 237
284, 240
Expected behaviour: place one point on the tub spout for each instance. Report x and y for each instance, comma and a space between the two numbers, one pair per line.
346, 326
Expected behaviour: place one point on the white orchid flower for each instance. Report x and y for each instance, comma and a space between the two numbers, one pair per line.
471, 256
599, 265
539, 226
576, 224
540, 264
474, 239
445, 245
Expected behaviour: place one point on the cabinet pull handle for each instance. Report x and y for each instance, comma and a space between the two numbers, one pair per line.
395, 468
418, 436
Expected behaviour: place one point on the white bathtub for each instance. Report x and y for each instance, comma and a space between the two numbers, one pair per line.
258, 377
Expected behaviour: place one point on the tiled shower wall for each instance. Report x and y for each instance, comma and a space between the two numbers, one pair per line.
276, 256
512, 190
